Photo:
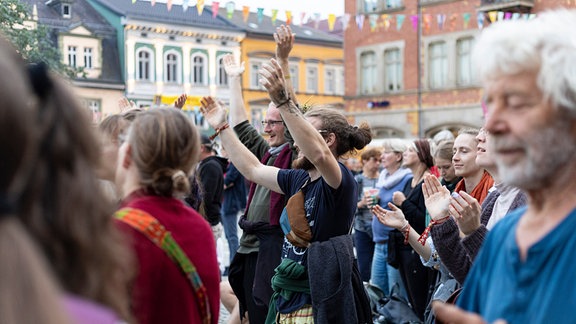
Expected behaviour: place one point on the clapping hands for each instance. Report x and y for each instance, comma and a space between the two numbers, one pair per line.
214, 112
232, 68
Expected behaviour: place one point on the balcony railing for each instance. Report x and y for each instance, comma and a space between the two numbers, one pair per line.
521, 6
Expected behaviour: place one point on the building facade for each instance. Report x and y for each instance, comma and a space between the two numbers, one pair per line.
88, 42
408, 63
316, 63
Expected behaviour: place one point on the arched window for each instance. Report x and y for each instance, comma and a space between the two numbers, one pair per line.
222, 77
171, 67
144, 63
199, 69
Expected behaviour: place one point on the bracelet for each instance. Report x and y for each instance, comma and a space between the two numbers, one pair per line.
283, 102
406, 232
424, 236
218, 130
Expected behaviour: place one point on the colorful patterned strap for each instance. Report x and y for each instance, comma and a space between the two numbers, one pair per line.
151, 228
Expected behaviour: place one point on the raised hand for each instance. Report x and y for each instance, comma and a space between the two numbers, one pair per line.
272, 79
214, 112
125, 105
466, 210
284, 42
436, 197
394, 217
232, 68
180, 101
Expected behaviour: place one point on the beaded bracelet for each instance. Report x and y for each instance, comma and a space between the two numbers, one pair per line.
218, 130
424, 236
406, 232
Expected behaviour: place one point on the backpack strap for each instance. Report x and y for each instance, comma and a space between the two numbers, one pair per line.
157, 233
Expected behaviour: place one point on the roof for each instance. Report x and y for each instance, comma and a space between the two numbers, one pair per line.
265, 28
83, 14
143, 10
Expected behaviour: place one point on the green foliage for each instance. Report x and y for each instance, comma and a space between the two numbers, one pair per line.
33, 41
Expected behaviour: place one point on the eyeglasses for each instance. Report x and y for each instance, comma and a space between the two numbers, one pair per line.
271, 123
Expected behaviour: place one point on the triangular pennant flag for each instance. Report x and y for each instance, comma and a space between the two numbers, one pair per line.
331, 21
152, 2
532, 16
508, 16
516, 16
500, 15
480, 19
260, 14
492, 15
245, 13
440, 19
414, 19
373, 18
427, 19
453, 21
399, 21
302, 17
169, 5
288, 17
345, 20
360, 21
230, 7
133, 1
386, 21
215, 7
274, 16
466, 18
185, 5
200, 7
316, 20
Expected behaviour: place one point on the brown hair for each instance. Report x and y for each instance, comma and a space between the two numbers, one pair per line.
29, 292
372, 152
114, 125
61, 204
423, 151
165, 147
444, 150
349, 138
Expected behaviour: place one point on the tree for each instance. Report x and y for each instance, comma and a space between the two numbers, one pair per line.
32, 40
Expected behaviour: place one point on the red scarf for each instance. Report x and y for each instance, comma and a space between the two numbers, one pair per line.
481, 190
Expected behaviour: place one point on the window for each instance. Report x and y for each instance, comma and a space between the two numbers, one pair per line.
368, 72
391, 4
66, 13
340, 83
312, 79
254, 77
93, 106
464, 61
88, 57
393, 70
438, 65
257, 118
72, 56
171, 68
330, 81
222, 77
294, 76
199, 69
144, 61
370, 5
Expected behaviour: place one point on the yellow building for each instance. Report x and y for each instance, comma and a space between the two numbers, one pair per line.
316, 64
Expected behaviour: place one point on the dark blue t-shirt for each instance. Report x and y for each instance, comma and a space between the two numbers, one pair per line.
329, 211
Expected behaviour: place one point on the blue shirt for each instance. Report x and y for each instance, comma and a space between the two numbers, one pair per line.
540, 289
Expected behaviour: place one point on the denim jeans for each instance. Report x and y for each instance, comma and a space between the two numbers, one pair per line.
379, 276
230, 224
364, 252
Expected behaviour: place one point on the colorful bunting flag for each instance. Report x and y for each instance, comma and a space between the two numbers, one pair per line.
426, 19
373, 19
386, 21
492, 15
516, 16
215, 8
274, 16
453, 21
133, 1
508, 16
441, 19
169, 5
185, 5
230, 7
152, 2
302, 17
245, 13
414, 19
331, 21
500, 15
466, 18
360, 21
288, 17
480, 19
399, 21
316, 20
200, 7
260, 14
345, 20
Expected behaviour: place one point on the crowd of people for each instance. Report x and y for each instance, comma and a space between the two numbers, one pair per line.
119, 223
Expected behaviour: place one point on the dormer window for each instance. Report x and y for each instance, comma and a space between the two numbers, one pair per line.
66, 10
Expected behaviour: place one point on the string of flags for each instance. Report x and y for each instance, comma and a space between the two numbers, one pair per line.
376, 22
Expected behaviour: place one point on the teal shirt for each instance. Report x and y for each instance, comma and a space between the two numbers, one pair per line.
540, 289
